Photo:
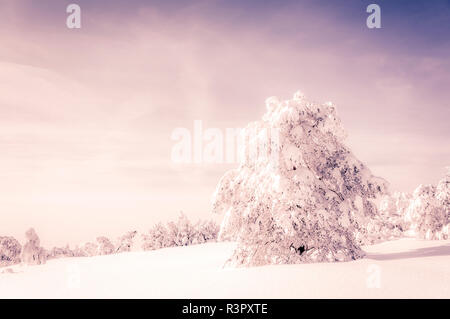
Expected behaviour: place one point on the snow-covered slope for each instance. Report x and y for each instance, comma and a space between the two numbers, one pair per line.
404, 268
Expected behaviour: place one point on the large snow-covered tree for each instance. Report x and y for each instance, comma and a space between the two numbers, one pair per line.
33, 253
10, 250
299, 194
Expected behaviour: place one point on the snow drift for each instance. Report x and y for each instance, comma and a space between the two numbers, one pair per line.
406, 268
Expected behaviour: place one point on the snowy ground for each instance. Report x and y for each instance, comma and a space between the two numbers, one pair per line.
404, 268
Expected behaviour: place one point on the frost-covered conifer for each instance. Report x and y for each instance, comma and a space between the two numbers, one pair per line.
33, 253
305, 198
10, 250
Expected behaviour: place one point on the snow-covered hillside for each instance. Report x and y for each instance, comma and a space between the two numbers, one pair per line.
404, 268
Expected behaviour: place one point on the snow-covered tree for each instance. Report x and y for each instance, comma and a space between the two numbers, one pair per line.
206, 231
179, 233
157, 238
443, 193
80, 251
104, 247
423, 213
299, 194
125, 242
90, 249
60, 252
392, 212
33, 253
429, 210
10, 250
182, 233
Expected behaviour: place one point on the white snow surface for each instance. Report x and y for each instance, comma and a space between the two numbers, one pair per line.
406, 268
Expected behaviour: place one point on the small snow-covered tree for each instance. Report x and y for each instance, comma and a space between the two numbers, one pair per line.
104, 247
182, 232
443, 197
33, 253
125, 242
423, 213
429, 210
60, 252
299, 194
157, 238
10, 250
206, 231
392, 213
179, 233
90, 249
80, 251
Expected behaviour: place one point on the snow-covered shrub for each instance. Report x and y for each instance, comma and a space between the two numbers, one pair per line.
33, 253
307, 198
125, 242
10, 250
104, 247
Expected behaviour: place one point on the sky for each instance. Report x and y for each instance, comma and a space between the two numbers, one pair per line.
86, 115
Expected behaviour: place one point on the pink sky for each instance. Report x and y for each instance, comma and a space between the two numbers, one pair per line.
86, 115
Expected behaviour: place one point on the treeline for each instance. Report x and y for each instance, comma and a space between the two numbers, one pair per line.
181, 232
